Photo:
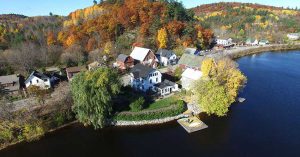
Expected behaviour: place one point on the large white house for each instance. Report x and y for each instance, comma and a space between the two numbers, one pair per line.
166, 57
189, 76
144, 78
252, 42
224, 42
41, 80
294, 36
144, 56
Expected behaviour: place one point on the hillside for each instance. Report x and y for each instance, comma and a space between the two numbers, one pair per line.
87, 34
243, 20
11, 17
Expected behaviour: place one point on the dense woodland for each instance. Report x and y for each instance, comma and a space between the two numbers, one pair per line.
111, 27
108, 28
243, 20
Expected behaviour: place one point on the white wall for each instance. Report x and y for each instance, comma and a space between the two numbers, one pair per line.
152, 79
186, 83
165, 61
38, 82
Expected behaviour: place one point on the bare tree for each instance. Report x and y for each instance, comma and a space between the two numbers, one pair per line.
26, 57
73, 54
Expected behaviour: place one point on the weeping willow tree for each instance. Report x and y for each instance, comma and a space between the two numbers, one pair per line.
92, 93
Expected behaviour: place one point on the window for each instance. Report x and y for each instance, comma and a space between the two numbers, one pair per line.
37, 81
156, 79
30, 82
150, 81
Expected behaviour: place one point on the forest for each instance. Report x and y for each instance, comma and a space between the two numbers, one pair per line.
104, 29
244, 20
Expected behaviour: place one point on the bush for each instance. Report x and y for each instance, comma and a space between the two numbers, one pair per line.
137, 105
6, 134
59, 119
31, 131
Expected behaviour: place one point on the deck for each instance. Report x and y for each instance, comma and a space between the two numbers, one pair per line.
192, 124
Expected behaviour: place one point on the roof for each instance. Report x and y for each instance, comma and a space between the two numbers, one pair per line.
139, 53
39, 75
192, 74
140, 70
164, 84
294, 34
165, 53
9, 79
75, 69
122, 58
191, 60
190, 50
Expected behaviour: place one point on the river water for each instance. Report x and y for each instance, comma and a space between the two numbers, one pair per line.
266, 124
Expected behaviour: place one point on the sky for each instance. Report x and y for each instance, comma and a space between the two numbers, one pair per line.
64, 7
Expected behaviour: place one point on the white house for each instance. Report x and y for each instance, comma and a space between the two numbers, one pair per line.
224, 42
144, 56
144, 78
294, 36
42, 80
252, 42
263, 42
166, 87
166, 57
189, 76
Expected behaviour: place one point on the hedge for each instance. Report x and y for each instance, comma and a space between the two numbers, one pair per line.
175, 109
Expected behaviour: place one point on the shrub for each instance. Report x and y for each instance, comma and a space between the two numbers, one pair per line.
137, 105
6, 134
31, 131
59, 119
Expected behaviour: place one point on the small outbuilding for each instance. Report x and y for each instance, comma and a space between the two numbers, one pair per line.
166, 87
72, 71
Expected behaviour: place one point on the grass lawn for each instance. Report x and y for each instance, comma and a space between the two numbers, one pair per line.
168, 107
162, 103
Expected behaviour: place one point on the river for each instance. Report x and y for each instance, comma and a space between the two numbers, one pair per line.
266, 124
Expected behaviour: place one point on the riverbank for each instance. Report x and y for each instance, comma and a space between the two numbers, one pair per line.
238, 52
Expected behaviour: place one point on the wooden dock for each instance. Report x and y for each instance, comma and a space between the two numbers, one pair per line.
192, 124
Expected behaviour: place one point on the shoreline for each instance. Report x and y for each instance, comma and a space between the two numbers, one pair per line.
260, 49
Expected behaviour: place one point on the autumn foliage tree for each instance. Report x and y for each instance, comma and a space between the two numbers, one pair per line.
162, 38
219, 86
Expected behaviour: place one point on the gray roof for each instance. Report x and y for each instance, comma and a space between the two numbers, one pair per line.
164, 84
122, 58
140, 70
165, 53
191, 60
39, 75
190, 50
10, 79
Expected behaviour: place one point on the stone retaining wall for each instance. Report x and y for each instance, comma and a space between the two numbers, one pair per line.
147, 122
